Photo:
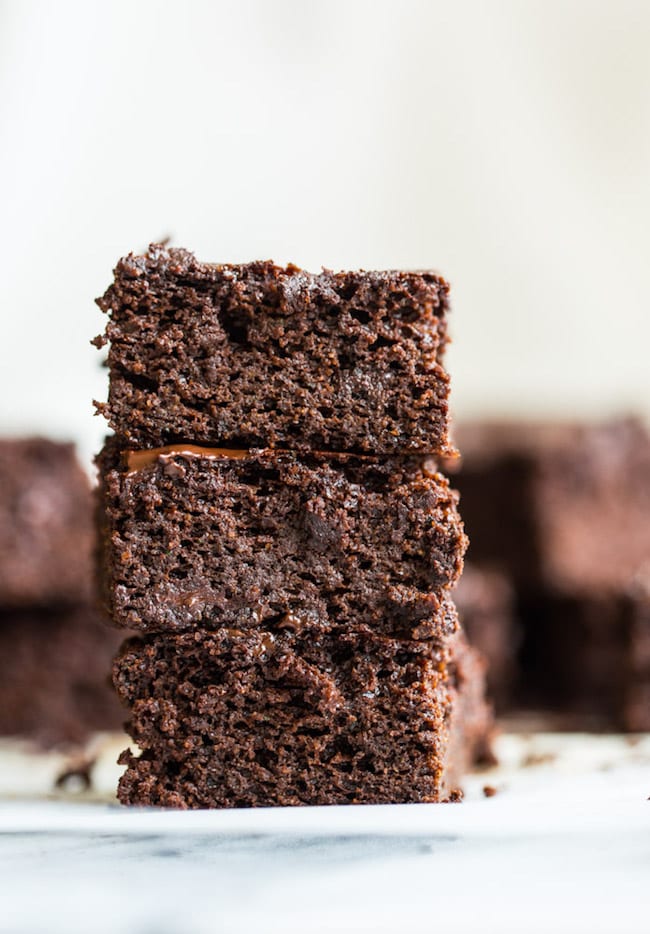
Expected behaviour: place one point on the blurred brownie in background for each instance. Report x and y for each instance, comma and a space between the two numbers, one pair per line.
561, 506
46, 528
589, 656
486, 608
54, 648
563, 511
636, 703
54, 687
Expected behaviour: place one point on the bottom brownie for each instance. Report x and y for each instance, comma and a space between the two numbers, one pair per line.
245, 719
53, 683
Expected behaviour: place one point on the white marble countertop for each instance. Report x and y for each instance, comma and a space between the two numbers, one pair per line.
563, 845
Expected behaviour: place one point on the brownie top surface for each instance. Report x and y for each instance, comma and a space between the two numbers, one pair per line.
294, 282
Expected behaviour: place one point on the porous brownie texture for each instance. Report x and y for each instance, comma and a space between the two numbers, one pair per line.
46, 531
243, 719
258, 355
559, 506
54, 675
275, 539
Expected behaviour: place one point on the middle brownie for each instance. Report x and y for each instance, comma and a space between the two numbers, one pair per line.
203, 538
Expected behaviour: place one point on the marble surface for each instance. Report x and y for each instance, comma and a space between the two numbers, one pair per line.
563, 845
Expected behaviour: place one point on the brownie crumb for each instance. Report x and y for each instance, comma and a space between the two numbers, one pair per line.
455, 796
533, 759
77, 778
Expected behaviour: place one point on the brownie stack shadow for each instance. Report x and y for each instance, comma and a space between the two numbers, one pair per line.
273, 526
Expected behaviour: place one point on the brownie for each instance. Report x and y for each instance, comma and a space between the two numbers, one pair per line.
198, 538
589, 655
243, 719
259, 355
558, 506
635, 714
486, 608
472, 731
54, 683
46, 530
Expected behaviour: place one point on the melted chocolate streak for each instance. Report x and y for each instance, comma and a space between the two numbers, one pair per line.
138, 460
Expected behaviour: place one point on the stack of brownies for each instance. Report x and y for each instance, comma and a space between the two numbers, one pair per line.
54, 649
273, 525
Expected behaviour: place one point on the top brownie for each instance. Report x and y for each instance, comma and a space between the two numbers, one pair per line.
263, 356
46, 535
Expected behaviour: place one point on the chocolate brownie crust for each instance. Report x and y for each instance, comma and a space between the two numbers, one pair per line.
205, 540
245, 719
262, 356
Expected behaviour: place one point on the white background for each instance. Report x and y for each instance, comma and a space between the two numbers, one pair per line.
505, 143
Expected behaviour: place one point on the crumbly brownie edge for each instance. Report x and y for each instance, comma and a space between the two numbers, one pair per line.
231, 719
